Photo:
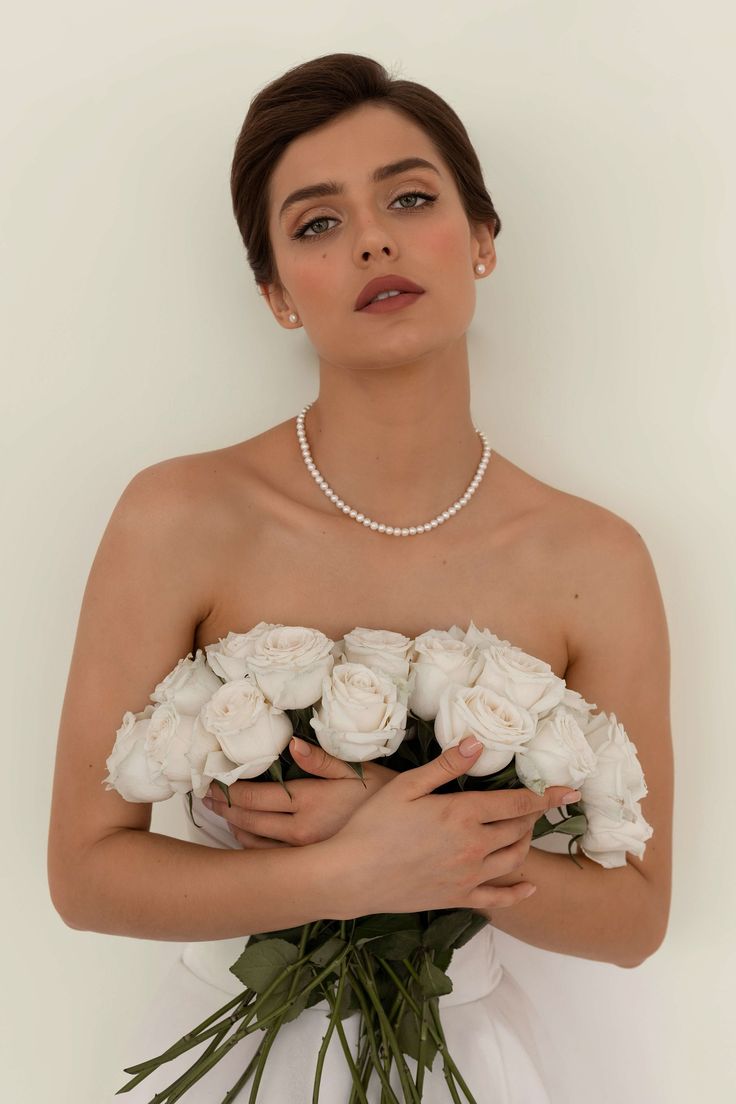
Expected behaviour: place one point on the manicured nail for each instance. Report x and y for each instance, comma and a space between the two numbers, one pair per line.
570, 796
529, 890
301, 746
469, 746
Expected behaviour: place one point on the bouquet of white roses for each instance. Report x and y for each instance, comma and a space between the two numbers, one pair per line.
229, 713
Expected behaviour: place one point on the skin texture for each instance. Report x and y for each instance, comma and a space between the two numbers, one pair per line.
256, 540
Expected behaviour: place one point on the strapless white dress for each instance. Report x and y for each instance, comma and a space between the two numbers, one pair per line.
493, 1032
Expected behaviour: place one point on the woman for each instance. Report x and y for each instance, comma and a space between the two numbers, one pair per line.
347, 185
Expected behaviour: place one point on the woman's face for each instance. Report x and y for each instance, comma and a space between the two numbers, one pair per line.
327, 248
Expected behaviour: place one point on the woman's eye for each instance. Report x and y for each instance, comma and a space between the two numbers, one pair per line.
302, 235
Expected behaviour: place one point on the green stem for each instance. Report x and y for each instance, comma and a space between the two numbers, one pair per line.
407, 997
357, 1088
387, 1030
335, 1009
357, 983
363, 1060
449, 1064
199, 1068
267, 1044
243, 1079
196, 1035
450, 1069
422, 1040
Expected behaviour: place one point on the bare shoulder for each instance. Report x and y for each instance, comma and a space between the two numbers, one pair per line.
564, 523
598, 569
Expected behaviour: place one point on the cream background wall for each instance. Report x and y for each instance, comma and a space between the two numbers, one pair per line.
602, 354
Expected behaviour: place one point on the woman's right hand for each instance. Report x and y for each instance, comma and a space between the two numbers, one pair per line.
407, 849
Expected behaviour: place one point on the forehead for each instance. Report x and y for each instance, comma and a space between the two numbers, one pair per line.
349, 148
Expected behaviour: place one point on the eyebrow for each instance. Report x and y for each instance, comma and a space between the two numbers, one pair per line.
331, 187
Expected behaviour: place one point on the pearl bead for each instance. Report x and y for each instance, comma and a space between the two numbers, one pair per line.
380, 527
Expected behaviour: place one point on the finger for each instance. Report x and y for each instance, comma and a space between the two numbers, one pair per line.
450, 764
502, 804
278, 826
505, 859
495, 897
264, 796
252, 842
314, 759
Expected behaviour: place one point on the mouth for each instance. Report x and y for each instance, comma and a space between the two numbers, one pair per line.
392, 303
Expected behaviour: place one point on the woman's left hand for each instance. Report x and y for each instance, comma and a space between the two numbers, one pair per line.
261, 814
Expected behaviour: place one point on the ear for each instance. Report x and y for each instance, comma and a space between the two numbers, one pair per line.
483, 247
279, 303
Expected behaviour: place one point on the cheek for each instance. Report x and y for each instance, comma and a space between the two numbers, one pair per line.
316, 278
447, 242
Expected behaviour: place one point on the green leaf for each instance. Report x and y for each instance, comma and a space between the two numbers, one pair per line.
384, 923
573, 826
443, 958
329, 949
225, 789
396, 945
446, 928
477, 924
358, 768
408, 1038
191, 814
261, 963
275, 1000
274, 771
434, 982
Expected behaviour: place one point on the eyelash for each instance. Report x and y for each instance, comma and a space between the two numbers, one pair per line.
301, 235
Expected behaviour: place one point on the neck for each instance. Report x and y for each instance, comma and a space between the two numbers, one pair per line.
396, 443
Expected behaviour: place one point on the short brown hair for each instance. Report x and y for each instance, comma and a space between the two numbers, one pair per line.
315, 92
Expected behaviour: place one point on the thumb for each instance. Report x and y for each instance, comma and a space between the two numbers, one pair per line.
315, 760
453, 762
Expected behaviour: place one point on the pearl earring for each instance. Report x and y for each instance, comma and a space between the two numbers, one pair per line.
293, 318
480, 268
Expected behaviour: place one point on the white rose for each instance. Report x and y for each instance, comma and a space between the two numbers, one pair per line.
577, 705
188, 686
379, 649
479, 638
557, 755
610, 796
606, 840
523, 678
203, 743
227, 657
251, 733
288, 664
168, 740
441, 659
618, 776
502, 726
360, 716
130, 770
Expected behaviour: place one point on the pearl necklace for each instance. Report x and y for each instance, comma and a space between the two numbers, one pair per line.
379, 527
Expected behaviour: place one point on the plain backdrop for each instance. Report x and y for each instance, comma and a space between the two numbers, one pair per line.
602, 359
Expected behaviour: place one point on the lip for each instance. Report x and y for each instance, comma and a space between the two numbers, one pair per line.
392, 304
385, 283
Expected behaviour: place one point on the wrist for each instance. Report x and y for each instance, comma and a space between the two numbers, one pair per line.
339, 882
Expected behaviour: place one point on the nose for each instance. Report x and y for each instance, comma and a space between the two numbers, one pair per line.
372, 239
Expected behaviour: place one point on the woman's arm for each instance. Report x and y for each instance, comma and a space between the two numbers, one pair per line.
148, 588
620, 660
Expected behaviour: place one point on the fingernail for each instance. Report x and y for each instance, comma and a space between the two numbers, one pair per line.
301, 746
571, 795
529, 890
469, 746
